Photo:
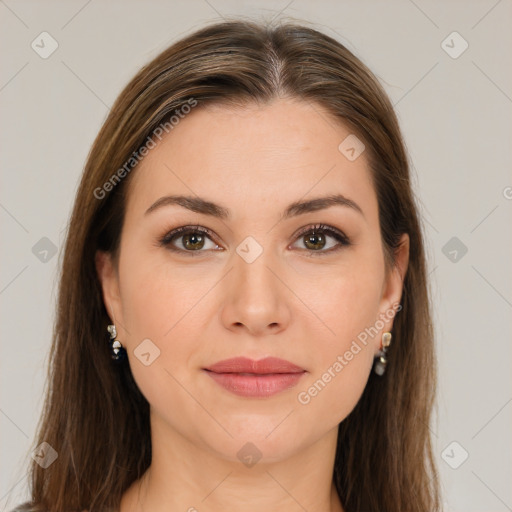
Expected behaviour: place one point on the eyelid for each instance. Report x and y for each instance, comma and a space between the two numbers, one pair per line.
166, 239
324, 228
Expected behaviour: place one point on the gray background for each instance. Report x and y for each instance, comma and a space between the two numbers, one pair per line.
455, 114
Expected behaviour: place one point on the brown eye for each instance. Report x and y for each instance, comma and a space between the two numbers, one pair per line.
193, 241
188, 240
316, 239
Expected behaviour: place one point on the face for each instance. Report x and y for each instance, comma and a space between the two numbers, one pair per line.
303, 284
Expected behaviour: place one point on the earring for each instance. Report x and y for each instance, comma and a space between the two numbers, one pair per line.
381, 360
118, 352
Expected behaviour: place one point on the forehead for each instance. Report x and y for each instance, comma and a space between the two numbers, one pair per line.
249, 157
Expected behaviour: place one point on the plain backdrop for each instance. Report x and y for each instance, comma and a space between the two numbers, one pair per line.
446, 67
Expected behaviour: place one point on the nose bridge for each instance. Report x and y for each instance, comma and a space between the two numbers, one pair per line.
252, 264
256, 296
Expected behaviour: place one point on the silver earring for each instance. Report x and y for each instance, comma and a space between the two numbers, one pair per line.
381, 359
117, 350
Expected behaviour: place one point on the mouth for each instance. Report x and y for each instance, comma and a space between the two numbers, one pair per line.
255, 379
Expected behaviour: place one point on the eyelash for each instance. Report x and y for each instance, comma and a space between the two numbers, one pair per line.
343, 240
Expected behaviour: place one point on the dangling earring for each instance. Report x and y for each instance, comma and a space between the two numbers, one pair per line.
381, 360
118, 352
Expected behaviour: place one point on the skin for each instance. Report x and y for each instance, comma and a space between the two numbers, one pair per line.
212, 305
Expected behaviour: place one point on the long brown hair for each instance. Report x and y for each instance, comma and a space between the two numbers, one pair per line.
95, 416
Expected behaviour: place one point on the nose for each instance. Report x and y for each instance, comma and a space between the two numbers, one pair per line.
256, 299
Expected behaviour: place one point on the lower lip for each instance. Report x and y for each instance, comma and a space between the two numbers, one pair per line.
256, 386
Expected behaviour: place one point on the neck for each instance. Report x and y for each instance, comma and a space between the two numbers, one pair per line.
186, 476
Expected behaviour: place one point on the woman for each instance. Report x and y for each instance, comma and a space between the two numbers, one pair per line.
244, 318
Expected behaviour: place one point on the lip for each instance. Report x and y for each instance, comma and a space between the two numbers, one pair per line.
266, 378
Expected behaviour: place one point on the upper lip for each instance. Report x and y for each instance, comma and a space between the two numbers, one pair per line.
262, 366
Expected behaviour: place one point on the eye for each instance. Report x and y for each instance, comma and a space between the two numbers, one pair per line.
315, 239
193, 239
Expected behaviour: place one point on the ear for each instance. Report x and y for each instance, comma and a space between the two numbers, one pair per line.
393, 285
109, 280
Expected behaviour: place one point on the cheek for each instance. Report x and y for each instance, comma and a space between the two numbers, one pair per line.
157, 305
346, 298
156, 297
161, 306
340, 369
347, 302
332, 393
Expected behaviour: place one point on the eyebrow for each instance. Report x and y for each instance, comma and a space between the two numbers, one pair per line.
203, 206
